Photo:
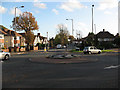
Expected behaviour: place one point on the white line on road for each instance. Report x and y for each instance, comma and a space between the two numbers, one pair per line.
110, 67
1, 61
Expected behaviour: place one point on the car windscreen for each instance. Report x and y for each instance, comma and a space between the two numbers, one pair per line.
86, 48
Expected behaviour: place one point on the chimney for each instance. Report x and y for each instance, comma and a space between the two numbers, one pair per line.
38, 34
103, 30
9, 32
13, 33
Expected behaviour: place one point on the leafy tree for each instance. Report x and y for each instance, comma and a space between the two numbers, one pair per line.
52, 42
62, 36
26, 22
71, 38
117, 41
29, 37
90, 40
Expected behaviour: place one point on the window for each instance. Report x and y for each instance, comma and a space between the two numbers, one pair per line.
91, 47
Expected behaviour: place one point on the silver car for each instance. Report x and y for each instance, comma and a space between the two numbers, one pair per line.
4, 55
91, 49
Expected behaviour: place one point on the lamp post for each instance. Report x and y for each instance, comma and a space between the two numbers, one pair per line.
48, 42
72, 25
15, 27
72, 31
46, 47
95, 28
92, 18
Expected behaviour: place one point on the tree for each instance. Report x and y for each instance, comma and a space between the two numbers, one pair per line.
29, 37
52, 42
71, 38
117, 41
90, 40
62, 36
26, 22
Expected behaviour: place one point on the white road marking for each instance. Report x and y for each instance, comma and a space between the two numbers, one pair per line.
1, 61
110, 67
30, 59
21, 53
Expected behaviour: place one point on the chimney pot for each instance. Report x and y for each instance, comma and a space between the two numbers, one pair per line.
38, 34
103, 30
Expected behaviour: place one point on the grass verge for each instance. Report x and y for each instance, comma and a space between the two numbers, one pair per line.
101, 50
76, 51
107, 50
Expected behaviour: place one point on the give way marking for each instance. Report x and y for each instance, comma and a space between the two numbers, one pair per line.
112, 67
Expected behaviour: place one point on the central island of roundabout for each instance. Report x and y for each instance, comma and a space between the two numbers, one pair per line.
61, 59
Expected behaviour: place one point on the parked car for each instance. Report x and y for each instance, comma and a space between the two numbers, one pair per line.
64, 46
77, 49
91, 49
4, 55
59, 46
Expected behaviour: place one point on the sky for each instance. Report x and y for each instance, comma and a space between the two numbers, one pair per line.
50, 13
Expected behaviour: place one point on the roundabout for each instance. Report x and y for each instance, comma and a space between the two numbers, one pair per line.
61, 59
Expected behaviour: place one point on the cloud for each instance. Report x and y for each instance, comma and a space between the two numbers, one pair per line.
55, 11
71, 5
19, 0
60, 25
18, 11
36, 11
107, 12
107, 4
39, 4
82, 27
2, 9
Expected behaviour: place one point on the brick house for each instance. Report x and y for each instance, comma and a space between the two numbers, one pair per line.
9, 36
105, 36
22, 40
2, 39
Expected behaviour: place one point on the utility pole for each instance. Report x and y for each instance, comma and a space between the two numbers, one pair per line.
92, 18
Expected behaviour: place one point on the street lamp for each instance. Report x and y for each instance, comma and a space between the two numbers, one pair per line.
48, 42
72, 25
15, 27
72, 30
46, 47
92, 18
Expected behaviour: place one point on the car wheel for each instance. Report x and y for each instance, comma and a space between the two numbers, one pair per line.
89, 53
6, 57
99, 52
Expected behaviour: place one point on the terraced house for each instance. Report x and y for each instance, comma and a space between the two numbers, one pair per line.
1, 39
7, 38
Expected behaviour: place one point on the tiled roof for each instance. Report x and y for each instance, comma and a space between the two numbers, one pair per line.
105, 34
41, 37
2, 32
23, 34
9, 32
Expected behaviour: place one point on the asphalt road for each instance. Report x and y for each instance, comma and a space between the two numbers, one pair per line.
19, 72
